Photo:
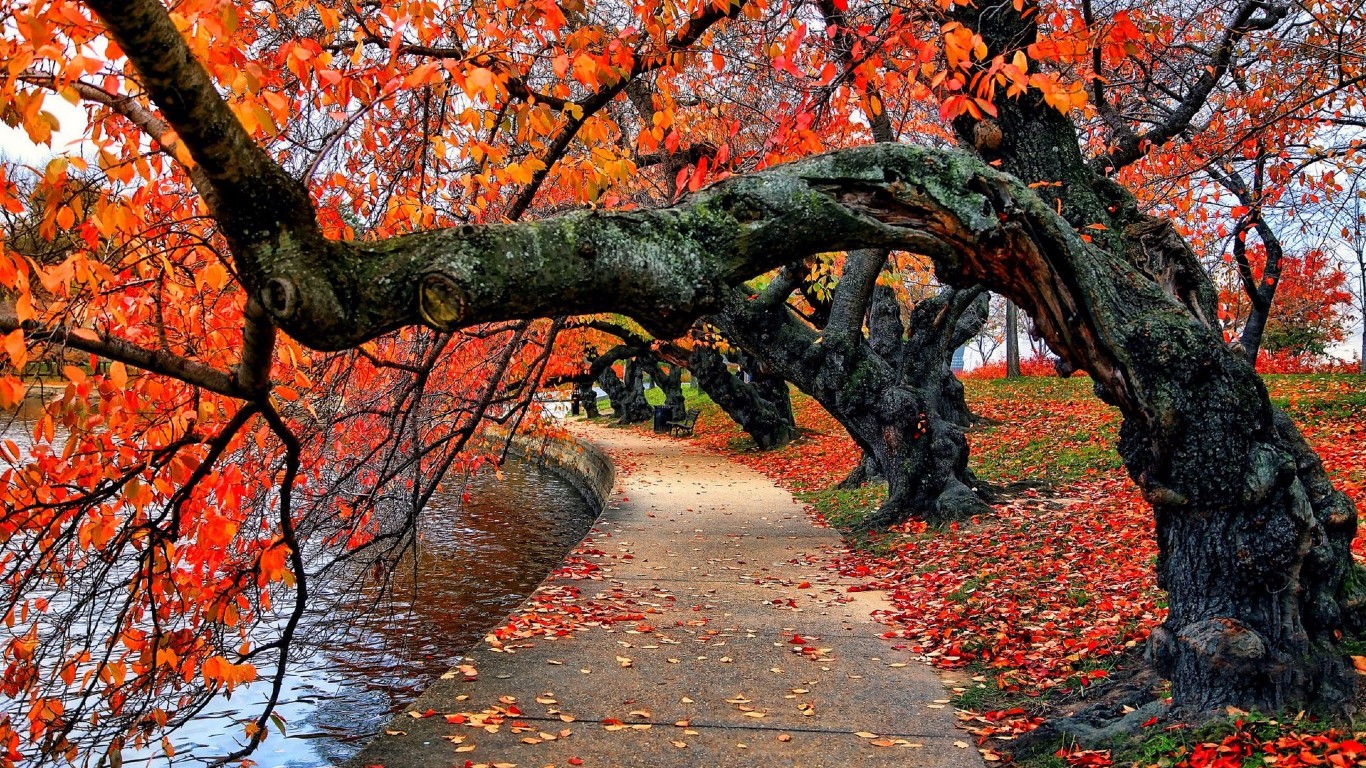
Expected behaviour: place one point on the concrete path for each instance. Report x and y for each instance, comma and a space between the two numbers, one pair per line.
719, 641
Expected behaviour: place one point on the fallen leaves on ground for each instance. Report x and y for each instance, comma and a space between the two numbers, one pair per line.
1245, 745
1047, 591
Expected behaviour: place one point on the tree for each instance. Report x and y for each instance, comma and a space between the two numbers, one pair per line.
885, 378
1012, 341
1254, 539
1246, 174
993, 333
753, 396
893, 392
1310, 310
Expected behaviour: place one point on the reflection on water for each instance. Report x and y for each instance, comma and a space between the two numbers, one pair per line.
477, 561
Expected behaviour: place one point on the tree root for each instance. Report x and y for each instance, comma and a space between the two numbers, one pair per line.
1121, 706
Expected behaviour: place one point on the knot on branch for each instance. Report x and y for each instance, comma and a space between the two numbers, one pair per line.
442, 303
280, 298
1221, 643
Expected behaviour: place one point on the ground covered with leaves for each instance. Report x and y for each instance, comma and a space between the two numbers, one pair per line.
1035, 603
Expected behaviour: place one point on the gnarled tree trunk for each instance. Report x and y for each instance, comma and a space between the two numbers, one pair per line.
669, 378
889, 394
587, 398
626, 394
634, 408
762, 406
1253, 539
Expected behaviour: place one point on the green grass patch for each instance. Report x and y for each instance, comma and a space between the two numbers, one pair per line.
845, 508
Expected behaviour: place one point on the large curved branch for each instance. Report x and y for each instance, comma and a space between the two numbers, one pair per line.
663, 267
976, 223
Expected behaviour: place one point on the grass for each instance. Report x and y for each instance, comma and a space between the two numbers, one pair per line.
843, 508
1049, 431
1318, 398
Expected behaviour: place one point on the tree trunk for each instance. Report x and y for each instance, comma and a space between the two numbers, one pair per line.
866, 471
769, 386
615, 388
1012, 340
935, 328
587, 398
762, 408
670, 382
891, 404
634, 407
1252, 537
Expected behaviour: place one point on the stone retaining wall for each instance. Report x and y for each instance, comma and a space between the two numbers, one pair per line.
583, 463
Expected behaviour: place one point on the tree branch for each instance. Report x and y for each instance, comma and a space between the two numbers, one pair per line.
127, 106
128, 353
645, 64
1130, 146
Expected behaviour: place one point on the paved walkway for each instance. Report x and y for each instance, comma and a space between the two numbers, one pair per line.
720, 642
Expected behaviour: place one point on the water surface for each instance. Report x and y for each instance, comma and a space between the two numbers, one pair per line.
478, 559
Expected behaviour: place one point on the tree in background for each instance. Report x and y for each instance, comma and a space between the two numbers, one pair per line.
753, 396
1254, 173
1311, 311
993, 333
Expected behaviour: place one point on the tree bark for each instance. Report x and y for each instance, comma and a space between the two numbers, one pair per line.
626, 393
761, 407
1012, 341
670, 382
586, 398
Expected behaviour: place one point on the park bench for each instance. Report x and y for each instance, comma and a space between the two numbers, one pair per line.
685, 426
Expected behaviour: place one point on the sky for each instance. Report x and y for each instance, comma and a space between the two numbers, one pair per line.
16, 145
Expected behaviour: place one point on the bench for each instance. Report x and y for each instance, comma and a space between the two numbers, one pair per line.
685, 426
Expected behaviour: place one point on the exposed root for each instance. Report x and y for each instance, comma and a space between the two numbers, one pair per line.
1121, 706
